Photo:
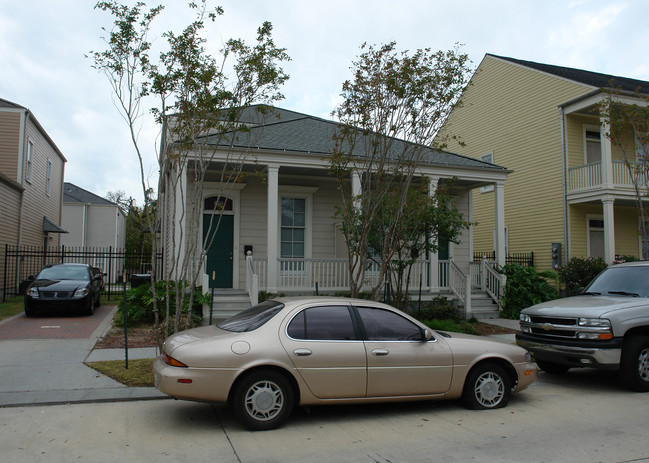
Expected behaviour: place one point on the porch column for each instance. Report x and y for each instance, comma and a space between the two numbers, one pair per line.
356, 184
607, 160
499, 198
272, 229
433, 265
609, 230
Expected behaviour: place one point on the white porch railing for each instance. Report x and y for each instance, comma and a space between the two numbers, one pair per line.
589, 176
493, 282
252, 281
460, 285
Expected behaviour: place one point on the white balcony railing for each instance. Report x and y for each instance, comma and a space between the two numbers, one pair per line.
589, 176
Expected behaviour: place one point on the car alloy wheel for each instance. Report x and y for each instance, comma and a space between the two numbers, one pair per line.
635, 363
643, 365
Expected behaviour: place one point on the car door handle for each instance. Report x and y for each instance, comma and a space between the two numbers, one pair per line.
302, 352
380, 352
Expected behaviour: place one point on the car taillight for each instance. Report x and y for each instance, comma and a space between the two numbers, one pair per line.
172, 361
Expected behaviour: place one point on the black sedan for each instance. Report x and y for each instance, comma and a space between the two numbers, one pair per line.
64, 287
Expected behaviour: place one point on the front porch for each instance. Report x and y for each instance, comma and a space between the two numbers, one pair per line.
428, 279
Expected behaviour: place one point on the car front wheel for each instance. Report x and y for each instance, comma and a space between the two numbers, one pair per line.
487, 386
635, 363
263, 400
91, 307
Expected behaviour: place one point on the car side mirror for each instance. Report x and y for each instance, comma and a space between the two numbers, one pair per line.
426, 334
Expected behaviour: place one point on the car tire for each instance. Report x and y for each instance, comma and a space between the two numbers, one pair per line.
29, 312
487, 386
552, 368
91, 307
635, 363
262, 400
98, 303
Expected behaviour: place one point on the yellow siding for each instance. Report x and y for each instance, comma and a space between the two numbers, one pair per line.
513, 112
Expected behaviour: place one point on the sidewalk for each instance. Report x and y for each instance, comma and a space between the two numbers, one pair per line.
504, 323
52, 371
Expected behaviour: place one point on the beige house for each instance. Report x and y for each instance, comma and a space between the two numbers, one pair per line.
278, 231
31, 184
570, 190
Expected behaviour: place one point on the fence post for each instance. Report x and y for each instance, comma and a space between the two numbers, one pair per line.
483, 274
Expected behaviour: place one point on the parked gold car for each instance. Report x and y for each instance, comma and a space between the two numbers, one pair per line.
324, 350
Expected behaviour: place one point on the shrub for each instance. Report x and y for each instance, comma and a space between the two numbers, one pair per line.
579, 272
439, 308
526, 287
451, 325
139, 303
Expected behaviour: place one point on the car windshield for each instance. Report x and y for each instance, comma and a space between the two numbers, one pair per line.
253, 318
621, 281
64, 272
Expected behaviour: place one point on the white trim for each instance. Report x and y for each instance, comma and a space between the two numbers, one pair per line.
48, 178
490, 156
29, 160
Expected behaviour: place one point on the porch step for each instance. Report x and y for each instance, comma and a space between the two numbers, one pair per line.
227, 303
483, 307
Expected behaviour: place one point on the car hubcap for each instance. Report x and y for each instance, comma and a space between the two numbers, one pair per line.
489, 389
264, 400
643, 365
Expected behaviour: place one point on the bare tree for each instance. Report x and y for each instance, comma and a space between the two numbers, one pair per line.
391, 112
200, 102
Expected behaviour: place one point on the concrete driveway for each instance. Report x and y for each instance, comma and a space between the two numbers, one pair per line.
583, 417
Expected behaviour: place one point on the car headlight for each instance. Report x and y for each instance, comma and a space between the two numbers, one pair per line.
81, 292
525, 318
595, 322
528, 357
32, 292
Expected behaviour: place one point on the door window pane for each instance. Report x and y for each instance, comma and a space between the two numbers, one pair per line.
327, 323
384, 325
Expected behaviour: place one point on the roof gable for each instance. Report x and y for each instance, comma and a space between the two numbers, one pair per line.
594, 79
75, 194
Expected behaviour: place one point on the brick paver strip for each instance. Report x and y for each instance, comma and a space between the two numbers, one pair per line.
59, 326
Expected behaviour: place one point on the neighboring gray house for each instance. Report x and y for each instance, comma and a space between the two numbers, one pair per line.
92, 221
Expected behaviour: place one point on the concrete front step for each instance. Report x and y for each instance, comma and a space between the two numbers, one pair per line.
226, 304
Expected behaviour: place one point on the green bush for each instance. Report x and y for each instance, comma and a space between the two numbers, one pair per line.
439, 308
526, 287
139, 303
579, 272
451, 325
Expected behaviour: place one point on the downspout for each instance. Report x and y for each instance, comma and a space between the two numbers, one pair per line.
21, 173
564, 167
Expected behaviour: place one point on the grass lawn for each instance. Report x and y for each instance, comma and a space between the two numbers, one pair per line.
13, 306
139, 373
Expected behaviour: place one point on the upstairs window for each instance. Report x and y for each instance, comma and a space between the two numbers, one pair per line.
30, 160
593, 146
48, 179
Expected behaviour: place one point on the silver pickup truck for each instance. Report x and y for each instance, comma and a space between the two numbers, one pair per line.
605, 327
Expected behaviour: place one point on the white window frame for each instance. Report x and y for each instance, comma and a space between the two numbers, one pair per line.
590, 217
30, 160
297, 192
487, 157
591, 128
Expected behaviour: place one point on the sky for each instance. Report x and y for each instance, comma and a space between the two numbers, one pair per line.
44, 44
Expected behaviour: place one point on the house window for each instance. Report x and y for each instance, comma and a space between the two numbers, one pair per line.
593, 145
595, 236
30, 159
293, 231
489, 157
642, 146
217, 204
48, 179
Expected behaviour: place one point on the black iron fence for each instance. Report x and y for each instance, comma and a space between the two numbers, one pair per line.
21, 262
523, 258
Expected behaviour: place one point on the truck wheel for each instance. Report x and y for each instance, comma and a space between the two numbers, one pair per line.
635, 363
552, 368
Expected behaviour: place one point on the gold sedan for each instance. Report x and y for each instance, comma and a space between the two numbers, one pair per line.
321, 350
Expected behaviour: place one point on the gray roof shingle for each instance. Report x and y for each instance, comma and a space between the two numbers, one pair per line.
75, 194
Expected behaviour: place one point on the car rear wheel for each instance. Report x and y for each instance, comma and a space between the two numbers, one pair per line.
263, 400
552, 368
487, 386
635, 363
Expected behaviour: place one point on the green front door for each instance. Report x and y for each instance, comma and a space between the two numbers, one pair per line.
219, 249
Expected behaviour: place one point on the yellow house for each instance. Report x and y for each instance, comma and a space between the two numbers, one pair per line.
570, 193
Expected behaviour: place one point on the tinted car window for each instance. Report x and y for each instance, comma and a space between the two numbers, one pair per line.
252, 318
330, 323
632, 281
384, 325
